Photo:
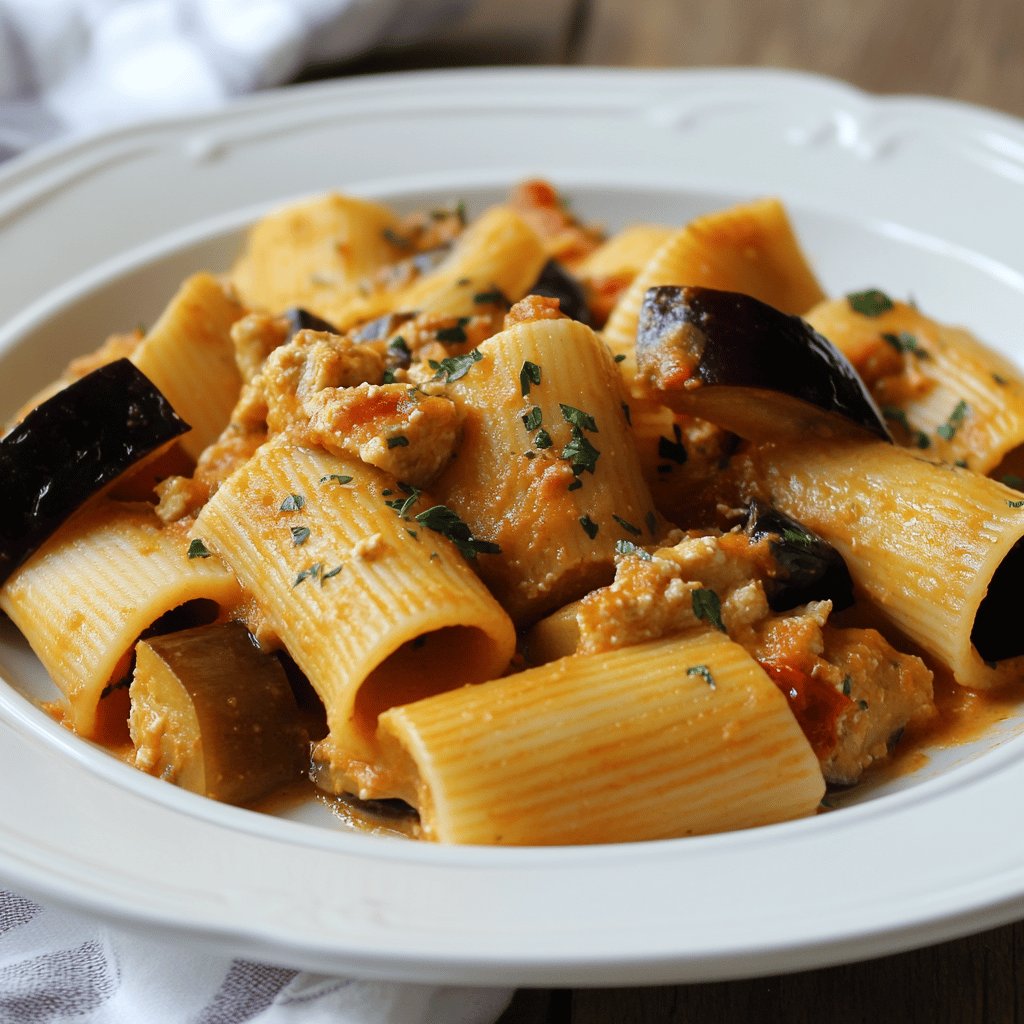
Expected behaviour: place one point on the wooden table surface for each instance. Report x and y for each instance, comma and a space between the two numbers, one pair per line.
967, 49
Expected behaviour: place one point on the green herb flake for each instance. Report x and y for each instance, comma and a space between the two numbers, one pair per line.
311, 573
495, 297
329, 574
293, 503
620, 358
862, 704
399, 344
533, 419
575, 485
444, 521
674, 451
529, 374
197, 549
627, 547
960, 463
412, 533
397, 240
403, 506
904, 342
1000, 379
590, 528
897, 415
300, 534
847, 685
455, 334
956, 418
388, 376
398, 441
704, 672
871, 302
455, 367
581, 453
626, 525
1015, 504
340, 478
707, 607
578, 418
542, 440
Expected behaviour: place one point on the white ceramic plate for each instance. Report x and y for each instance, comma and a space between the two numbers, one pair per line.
916, 196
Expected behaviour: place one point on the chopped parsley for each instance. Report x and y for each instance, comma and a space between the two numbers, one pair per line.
956, 418
904, 342
578, 418
399, 344
529, 374
454, 334
341, 478
300, 534
542, 440
897, 415
581, 453
197, 549
311, 573
847, 685
388, 376
403, 506
444, 521
674, 451
590, 528
704, 672
455, 367
707, 607
329, 574
533, 419
398, 441
1015, 504
621, 357
871, 302
626, 525
627, 547
293, 503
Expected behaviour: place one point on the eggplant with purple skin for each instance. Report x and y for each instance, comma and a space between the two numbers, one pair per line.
71, 446
739, 363
804, 566
555, 282
300, 319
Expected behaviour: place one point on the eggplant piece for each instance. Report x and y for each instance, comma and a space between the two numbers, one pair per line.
743, 365
556, 282
805, 567
71, 446
300, 319
214, 715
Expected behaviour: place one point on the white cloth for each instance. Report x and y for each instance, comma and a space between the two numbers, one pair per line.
58, 967
75, 66
72, 66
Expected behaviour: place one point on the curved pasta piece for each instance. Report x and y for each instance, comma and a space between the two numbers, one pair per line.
375, 608
188, 354
85, 596
499, 250
675, 737
750, 248
942, 390
314, 254
935, 548
555, 495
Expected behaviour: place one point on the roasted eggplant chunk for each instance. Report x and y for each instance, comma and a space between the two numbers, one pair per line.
804, 567
556, 282
300, 319
71, 446
741, 364
214, 715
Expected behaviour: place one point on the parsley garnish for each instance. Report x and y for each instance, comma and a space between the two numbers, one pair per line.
847, 685
293, 503
454, 334
444, 521
674, 451
627, 547
311, 573
529, 374
455, 367
871, 302
590, 528
403, 506
542, 440
707, 607
905, 342
578, 418
1015, 504
956, 418
704, 672
388, 377
1000, 379
897, 415
626, 525
533, 419
341, 478
581, 453
197, 549
398, 441
328, 575
300, 534
399, 344
621, 357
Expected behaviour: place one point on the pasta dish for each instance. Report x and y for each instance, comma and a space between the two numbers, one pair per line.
518, 532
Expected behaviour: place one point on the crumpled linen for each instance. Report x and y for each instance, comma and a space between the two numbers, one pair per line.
75, 66
60, 967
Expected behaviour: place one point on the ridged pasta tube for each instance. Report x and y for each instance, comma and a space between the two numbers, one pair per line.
673, 737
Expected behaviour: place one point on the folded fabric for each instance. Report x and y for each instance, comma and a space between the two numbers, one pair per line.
82, 65
59, 967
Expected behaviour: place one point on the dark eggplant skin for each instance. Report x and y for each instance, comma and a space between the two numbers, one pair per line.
740, 363
556, 282
71, 446
805, 567
300, 319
